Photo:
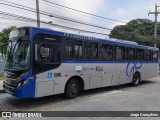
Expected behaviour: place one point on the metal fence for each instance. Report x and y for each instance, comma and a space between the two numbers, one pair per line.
2, 60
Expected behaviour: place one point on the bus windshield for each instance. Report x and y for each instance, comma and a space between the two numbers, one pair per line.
18, 55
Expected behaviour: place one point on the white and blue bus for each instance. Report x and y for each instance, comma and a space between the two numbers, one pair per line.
42, 62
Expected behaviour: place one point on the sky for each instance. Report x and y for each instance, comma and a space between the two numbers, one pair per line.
121, 10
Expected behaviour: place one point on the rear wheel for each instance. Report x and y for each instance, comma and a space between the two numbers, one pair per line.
72, 89
136, 79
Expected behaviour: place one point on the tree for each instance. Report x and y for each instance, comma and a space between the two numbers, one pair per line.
138, 30
4, 35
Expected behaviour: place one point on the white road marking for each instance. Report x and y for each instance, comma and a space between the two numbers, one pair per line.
108, 93
114, 92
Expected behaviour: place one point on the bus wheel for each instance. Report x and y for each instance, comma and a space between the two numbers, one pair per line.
136, 79
72, 88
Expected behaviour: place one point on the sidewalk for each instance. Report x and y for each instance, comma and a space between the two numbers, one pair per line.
1, 86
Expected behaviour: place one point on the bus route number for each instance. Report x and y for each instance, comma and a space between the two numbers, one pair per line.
99, 68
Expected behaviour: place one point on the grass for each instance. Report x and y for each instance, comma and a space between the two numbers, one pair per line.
1, 77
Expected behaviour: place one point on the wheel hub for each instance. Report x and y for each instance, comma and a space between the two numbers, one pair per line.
74, 88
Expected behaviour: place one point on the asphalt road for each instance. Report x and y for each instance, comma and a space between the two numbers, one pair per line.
145, 97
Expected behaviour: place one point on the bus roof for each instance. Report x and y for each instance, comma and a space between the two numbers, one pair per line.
109, 41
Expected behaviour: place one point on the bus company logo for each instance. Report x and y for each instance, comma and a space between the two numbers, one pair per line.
132, 67
80, 37
6, 114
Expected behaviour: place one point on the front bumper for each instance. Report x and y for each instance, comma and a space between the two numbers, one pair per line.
9, 89
26, 90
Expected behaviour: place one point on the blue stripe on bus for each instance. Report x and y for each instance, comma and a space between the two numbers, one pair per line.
134, 67
106, 62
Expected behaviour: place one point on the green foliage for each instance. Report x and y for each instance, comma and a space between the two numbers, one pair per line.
4, 36
138, 30
1, 77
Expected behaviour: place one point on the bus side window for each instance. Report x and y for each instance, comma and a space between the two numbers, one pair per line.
78, 48
147, 55
139, 54
106, 52
69, 49
94, 51
88, 50
155, 56
130, 54
43, 53
49, 53
119, 53
91, 50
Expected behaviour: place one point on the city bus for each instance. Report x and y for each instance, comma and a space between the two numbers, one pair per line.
43, 62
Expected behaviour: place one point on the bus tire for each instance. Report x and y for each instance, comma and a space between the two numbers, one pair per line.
72, 89
136, 79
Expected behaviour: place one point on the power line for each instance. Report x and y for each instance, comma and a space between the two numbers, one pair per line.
83, 11
52, 15
61, 26
9, 18
58, 7
151, 1
20, 10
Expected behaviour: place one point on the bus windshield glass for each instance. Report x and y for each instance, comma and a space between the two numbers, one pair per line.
18, 55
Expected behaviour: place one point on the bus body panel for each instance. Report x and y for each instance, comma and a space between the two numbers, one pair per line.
69, 69
93, 75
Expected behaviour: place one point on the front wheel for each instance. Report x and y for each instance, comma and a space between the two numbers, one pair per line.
136, 79
72, 89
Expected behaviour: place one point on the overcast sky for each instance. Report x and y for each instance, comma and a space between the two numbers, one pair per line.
122, 10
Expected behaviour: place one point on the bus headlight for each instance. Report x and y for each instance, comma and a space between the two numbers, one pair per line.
23, 82
19, 84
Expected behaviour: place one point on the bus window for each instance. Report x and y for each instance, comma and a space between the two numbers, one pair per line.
43, 53
106, 52
119, 53
139, 55
95, 50
69, 49
130, 54
50, 53
88, 50
91, 50
155, 56
78, 49
147, 55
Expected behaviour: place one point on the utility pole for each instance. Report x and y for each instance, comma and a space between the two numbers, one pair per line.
38, 14
155, 25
